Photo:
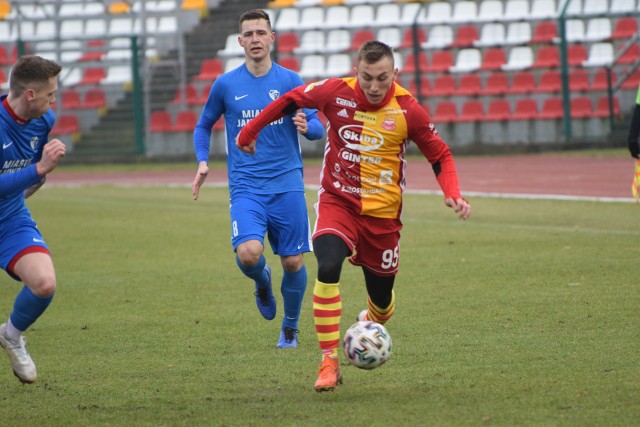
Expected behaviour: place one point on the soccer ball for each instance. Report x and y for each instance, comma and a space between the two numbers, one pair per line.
367, 344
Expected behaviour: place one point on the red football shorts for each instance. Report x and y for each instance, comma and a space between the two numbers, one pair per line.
374, 242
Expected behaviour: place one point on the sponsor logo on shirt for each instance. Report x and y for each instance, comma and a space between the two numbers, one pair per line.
343, 113
364, 117
360, 138
238, 98
346, 102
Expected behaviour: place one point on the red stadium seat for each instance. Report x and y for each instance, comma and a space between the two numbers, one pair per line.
472, 111
204, 94
497, 84
578, 80
70, 99
549, 82
210, 69
443, 85
440, 61
499, 109
66, 124
493, 58
581, 107
190, 95
425, 87
92, 76
409, 63
600, 79
360, 37
544, 32
470, 84
287, 42
4, 56
551, 109
407, 38
632, 82
3, 76
547, 57
576, 54
526, 109
465, 36
625, 28
94, 98
185, 121
522, 82
160, 121
445, 112
94, 52
602, 107
631, 55
290, 62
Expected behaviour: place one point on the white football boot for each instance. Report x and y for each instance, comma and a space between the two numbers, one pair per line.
21, 362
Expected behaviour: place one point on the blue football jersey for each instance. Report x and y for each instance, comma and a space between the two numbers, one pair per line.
276, 166
22, 146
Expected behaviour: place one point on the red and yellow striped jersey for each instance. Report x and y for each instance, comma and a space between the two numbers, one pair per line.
364, 164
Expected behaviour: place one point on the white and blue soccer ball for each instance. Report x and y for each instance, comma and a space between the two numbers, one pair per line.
367, 344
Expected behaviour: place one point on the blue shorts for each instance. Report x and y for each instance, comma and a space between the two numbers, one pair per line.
283, 217
16, 237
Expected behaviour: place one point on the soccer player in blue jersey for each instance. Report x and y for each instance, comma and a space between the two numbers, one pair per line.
26, 158
267, 190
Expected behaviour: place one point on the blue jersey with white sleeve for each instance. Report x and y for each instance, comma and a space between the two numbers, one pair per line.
22, 145
276, 166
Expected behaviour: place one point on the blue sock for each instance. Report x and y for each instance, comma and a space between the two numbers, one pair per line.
293, 287
27, 308
256, 272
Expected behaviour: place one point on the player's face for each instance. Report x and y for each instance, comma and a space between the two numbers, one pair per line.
376, 79
256, 39
41, 97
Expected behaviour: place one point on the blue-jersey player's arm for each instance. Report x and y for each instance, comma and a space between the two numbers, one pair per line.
21, 180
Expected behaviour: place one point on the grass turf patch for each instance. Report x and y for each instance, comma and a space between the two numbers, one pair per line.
526, 314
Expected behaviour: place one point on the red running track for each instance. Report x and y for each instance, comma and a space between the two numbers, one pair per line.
539, 175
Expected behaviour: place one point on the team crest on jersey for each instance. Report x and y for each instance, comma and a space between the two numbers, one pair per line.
34, 142
389, 123
385, 177
274, 94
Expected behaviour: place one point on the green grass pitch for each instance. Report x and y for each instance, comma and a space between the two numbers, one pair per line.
527, 314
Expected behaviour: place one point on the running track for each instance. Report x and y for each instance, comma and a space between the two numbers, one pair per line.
526, 176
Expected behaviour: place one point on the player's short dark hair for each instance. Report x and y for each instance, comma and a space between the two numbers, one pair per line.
253, 14
30, 70
373, 51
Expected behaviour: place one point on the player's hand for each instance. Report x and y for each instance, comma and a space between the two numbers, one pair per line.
300, 121
249, 148
52, 152
201, 176
460, 206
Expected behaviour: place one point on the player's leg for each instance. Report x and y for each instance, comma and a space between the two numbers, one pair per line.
379, 256
34, 267
330, 251
248, 227
382, 301
289, 237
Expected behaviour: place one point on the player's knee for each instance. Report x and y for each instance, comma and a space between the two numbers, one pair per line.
44, 286
329, 269
249, 254
292, 264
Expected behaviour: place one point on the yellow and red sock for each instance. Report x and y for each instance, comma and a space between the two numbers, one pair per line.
327, 310
381, 315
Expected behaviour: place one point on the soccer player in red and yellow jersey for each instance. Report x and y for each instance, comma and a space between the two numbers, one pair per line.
371, 121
